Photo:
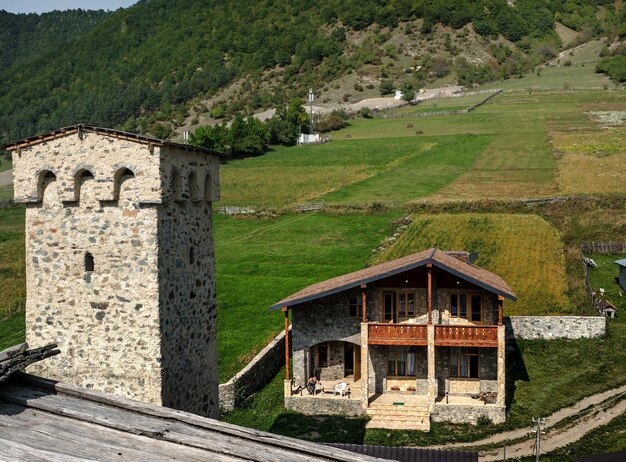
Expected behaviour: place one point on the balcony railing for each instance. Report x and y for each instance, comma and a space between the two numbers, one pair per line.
467, 336
397, 334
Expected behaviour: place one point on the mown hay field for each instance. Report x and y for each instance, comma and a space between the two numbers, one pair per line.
590, 142
525, 250
384, 170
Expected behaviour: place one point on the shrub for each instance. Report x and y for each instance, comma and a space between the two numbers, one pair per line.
366, 113
386, 87
484, 421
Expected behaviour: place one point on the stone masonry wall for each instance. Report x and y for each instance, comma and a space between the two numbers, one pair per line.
187, 290
322, 406
141, 323
106, 322
256, 375
467, 414
318, 321
552, 327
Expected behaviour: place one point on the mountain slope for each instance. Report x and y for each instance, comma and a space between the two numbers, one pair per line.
141, 64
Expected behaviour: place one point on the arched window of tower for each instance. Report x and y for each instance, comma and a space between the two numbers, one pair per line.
207, 188
194, 190
177, 191
124, 187
47, 188
84, 188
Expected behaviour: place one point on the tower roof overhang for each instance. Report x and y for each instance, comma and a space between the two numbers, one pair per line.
81, 128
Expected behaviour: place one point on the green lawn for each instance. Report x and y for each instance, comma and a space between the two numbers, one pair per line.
260, 261
12, 331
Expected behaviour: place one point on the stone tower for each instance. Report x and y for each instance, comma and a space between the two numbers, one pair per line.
120, 263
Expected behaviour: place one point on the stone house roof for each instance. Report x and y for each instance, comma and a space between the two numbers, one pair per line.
103, 131
438, 258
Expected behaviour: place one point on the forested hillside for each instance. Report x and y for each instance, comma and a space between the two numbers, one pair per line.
26, 36
139, 66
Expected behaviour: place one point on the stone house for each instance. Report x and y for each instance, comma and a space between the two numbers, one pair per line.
120, 263
417, 338
622, 273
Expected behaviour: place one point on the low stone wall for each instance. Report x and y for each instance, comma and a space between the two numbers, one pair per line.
320, 406
553, 327
455, 413
257, 373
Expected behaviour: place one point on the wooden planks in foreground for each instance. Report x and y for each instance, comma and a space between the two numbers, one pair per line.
41, 420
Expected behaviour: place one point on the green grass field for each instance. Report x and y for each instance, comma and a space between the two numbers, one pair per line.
12, 274
354, 172
258, 262
416, 176
525, 250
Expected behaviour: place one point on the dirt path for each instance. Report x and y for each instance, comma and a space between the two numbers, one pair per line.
558, 438
6, 178
554, 438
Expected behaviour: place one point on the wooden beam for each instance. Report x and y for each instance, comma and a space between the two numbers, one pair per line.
364, 307
500, 314
285, 310
429, 266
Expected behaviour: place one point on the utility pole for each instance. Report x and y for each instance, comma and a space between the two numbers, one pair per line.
539, 422
311, 99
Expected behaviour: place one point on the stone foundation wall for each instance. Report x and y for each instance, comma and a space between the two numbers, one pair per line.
256, 375
552, 327
319, 406
467, 414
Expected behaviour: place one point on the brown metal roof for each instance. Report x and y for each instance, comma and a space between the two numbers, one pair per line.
104, 131
410, 454
436, 257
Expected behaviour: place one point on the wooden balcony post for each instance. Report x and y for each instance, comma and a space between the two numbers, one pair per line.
430, 293
500, 302
364, 307
285, 310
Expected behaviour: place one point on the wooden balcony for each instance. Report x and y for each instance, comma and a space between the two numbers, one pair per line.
397, 334
466, 336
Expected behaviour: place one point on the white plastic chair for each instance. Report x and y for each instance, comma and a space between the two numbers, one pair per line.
342, 389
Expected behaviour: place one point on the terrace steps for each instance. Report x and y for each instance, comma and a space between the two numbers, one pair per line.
399, 417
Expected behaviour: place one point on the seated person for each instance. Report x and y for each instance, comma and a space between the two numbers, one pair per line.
311, 384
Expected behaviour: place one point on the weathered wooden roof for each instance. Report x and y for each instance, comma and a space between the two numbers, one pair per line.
411, 454
49, 421
17, 357
104, 131
436, 257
